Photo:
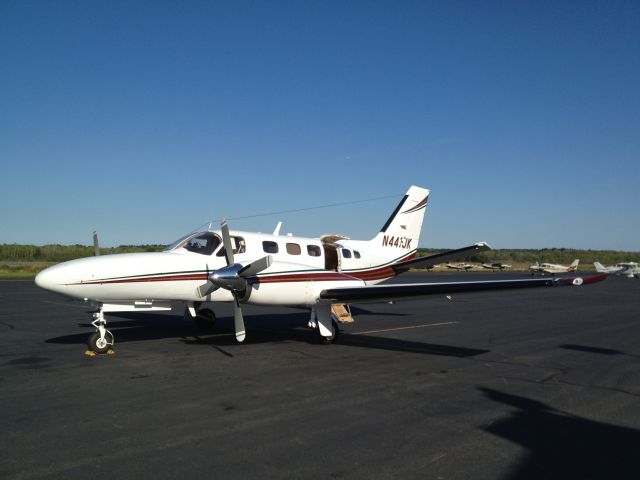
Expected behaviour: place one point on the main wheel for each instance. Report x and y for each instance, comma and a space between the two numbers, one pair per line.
333, 338
205, 319
99, 345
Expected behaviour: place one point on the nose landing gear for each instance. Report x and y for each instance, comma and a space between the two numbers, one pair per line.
100, 341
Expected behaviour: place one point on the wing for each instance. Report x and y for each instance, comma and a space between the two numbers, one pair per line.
431, 260
378, 293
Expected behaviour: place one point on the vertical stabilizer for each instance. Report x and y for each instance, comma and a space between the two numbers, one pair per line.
402, 229
574, 265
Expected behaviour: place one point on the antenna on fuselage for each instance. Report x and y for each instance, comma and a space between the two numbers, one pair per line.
276, 232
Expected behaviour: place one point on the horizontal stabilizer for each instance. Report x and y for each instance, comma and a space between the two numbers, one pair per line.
431, 260
380, 293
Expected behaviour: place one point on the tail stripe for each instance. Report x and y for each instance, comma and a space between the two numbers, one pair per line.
420, 205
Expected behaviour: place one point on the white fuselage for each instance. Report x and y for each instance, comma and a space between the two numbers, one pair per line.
304, 266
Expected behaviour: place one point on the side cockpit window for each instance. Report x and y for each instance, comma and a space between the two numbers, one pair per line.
239, 246
204, 243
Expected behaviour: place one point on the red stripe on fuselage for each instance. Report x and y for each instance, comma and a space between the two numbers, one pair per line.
378, 273
305, 277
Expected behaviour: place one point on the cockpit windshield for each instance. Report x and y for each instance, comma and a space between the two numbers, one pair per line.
204, 243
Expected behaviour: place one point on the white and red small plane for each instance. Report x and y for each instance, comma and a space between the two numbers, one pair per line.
553, 268
212, 266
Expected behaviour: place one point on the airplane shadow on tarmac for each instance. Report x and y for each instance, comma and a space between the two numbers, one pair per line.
135, 327
561, 445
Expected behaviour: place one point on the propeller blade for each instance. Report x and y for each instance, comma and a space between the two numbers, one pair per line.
96, 245
238, 320
207, 288
256, 267
226, 240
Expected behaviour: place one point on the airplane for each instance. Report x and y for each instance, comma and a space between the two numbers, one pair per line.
460, 266
615, 269
628, 269
632, 269
210, 266
496, 266
552, 268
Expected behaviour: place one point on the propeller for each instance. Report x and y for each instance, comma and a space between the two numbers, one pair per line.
233, 277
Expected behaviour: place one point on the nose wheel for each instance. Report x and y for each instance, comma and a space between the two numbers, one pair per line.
100, 344
101, 340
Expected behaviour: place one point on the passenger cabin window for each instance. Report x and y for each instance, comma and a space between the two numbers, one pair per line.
346, 253
293, 249
356, 253
270, 247
239, 246
203, 243
313, 250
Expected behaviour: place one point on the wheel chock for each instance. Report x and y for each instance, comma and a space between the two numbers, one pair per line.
91, 353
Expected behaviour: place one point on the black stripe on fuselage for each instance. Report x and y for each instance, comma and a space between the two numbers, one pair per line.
395, 212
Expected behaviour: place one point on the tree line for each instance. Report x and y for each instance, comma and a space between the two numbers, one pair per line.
546, 255
61, 253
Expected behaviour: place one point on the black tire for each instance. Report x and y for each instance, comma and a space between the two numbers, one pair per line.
332, 339
95, 345
205, 319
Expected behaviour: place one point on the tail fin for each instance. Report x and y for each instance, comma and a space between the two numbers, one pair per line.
599, 267
574, 265
405, 223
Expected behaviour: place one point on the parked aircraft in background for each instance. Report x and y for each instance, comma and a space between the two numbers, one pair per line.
552, 268
632, 269
614, 269
496, 266
628, 269
212, 266
460, 266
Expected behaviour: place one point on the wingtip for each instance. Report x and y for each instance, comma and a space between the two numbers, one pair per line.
598, 277
584, 280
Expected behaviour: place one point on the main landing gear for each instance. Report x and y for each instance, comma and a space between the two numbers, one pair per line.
205, 318
325, 326
101, 340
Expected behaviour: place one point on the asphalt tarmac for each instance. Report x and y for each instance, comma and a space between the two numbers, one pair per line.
538, 383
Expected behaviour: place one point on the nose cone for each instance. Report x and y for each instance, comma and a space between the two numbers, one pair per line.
51, 279
44, 279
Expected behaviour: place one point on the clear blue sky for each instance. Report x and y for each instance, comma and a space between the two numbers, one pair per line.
144, 119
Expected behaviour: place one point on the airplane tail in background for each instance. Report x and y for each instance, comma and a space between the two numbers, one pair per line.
599, 267
401, 232
574, 265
